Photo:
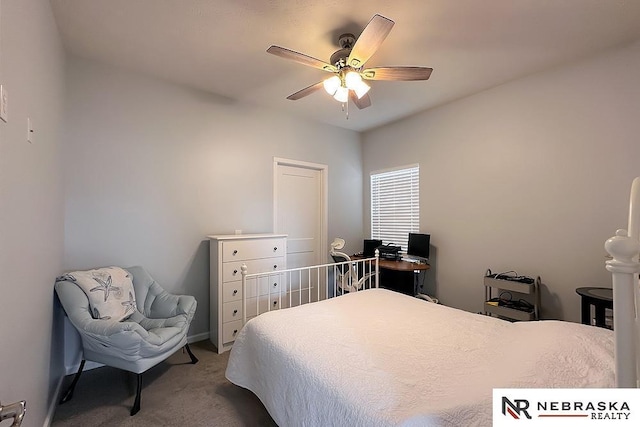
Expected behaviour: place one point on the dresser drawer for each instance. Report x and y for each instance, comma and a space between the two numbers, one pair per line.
242, 250
231, 270
230, 330
232, 291
231, 311
274, 302
274, 283
271, 284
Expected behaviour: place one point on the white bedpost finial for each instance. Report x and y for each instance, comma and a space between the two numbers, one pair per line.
623, 249
624, 268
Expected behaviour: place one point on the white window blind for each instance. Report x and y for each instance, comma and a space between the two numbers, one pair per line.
395, 205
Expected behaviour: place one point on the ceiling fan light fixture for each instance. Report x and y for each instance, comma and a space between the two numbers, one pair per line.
354, 81
342, 94
347, 66
331, 85
361, 89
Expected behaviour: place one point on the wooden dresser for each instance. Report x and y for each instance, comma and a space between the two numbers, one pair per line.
261, 253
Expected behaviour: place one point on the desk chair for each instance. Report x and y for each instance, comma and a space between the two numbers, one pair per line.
348, 277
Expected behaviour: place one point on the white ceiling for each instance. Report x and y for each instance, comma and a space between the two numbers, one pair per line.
220, 45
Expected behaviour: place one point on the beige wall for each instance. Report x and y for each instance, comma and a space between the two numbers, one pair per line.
531, 176
152, 168
31, 206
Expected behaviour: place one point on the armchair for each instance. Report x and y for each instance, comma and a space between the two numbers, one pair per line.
156, 328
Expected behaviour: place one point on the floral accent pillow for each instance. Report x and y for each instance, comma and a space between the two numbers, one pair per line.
109, 290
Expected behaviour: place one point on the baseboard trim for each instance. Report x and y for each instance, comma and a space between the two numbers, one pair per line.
198, 337
54, 403
89, 365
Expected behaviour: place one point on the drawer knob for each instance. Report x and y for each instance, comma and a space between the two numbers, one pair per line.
235, 331
235, 271
275, 266
235, 291
275, 303
275, 285
235, 312
275, 248
235, 252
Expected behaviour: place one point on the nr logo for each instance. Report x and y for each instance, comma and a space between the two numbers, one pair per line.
516, 409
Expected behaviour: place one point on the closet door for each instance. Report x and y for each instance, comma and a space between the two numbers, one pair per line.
300, 211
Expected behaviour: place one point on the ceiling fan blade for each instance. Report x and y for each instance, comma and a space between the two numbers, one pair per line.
361, 103
370, 40
306, 91
301, 58
397, 73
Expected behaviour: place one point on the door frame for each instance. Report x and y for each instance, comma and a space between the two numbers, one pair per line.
324, 205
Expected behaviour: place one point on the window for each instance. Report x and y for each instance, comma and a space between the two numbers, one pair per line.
395, 204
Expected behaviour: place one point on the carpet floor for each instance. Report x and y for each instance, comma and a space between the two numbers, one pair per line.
174, 393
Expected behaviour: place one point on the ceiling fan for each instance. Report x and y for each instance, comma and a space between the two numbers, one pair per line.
347, 65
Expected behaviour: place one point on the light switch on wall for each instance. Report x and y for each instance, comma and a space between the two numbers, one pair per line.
4, 104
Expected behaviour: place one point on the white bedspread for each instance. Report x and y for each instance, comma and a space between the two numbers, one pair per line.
380, 358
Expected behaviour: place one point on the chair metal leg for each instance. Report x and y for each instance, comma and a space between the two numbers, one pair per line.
194, 359
136, 403
69, 393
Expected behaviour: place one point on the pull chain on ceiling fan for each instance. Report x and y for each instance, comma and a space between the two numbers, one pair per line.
347, 65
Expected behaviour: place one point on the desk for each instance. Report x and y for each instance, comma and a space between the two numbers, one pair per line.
388, 264
600, 298
398, 275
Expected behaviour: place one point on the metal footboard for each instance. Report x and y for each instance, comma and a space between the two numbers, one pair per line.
263, 292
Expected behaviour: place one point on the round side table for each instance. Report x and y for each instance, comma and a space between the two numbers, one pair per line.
600, 299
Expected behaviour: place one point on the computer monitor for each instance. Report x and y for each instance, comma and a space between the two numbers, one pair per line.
369, 247
418, 245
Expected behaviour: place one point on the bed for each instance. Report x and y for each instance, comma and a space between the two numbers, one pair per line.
334, 363
377, 357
